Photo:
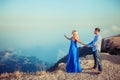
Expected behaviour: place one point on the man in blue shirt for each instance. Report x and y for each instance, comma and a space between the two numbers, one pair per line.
96, 48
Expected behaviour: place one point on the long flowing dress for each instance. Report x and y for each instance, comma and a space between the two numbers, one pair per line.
73, 64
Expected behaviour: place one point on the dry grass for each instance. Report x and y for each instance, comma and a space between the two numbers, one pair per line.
17, 74
5, 75
111, 71
41, 73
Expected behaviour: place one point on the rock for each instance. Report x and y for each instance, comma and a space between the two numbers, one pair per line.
61, 66
83, 53
111, 45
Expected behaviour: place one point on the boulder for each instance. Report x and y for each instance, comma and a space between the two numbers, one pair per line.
111, 45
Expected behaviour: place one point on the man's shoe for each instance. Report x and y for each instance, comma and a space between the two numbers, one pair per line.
94, 67
99, 72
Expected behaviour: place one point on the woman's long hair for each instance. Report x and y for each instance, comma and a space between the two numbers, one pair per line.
75, 35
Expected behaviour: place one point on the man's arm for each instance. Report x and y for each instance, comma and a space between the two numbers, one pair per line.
93, 43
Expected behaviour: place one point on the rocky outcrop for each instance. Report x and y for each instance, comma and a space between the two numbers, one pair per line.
111, 45
84, 52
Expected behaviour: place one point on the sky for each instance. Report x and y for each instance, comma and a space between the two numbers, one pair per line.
37, 27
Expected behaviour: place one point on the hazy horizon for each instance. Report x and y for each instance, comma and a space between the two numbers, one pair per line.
37, 28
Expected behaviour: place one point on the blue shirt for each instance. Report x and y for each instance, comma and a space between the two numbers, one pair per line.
96, 43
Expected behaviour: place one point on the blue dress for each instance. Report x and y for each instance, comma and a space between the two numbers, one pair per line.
73, 64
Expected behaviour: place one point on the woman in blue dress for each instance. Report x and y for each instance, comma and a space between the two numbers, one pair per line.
73, 64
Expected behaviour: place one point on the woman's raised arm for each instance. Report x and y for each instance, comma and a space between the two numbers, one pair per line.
67, 37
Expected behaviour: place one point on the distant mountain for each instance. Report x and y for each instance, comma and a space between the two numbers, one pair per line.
111, 45
10, 62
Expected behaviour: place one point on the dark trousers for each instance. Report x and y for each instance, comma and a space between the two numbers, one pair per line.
97, 60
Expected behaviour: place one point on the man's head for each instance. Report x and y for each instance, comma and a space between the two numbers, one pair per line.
97, 30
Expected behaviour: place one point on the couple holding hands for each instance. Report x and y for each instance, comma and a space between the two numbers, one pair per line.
73, 64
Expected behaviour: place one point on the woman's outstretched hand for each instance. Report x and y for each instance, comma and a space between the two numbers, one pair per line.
67, 37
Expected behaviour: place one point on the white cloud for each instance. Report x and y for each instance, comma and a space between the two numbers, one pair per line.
106, 32
113, 30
